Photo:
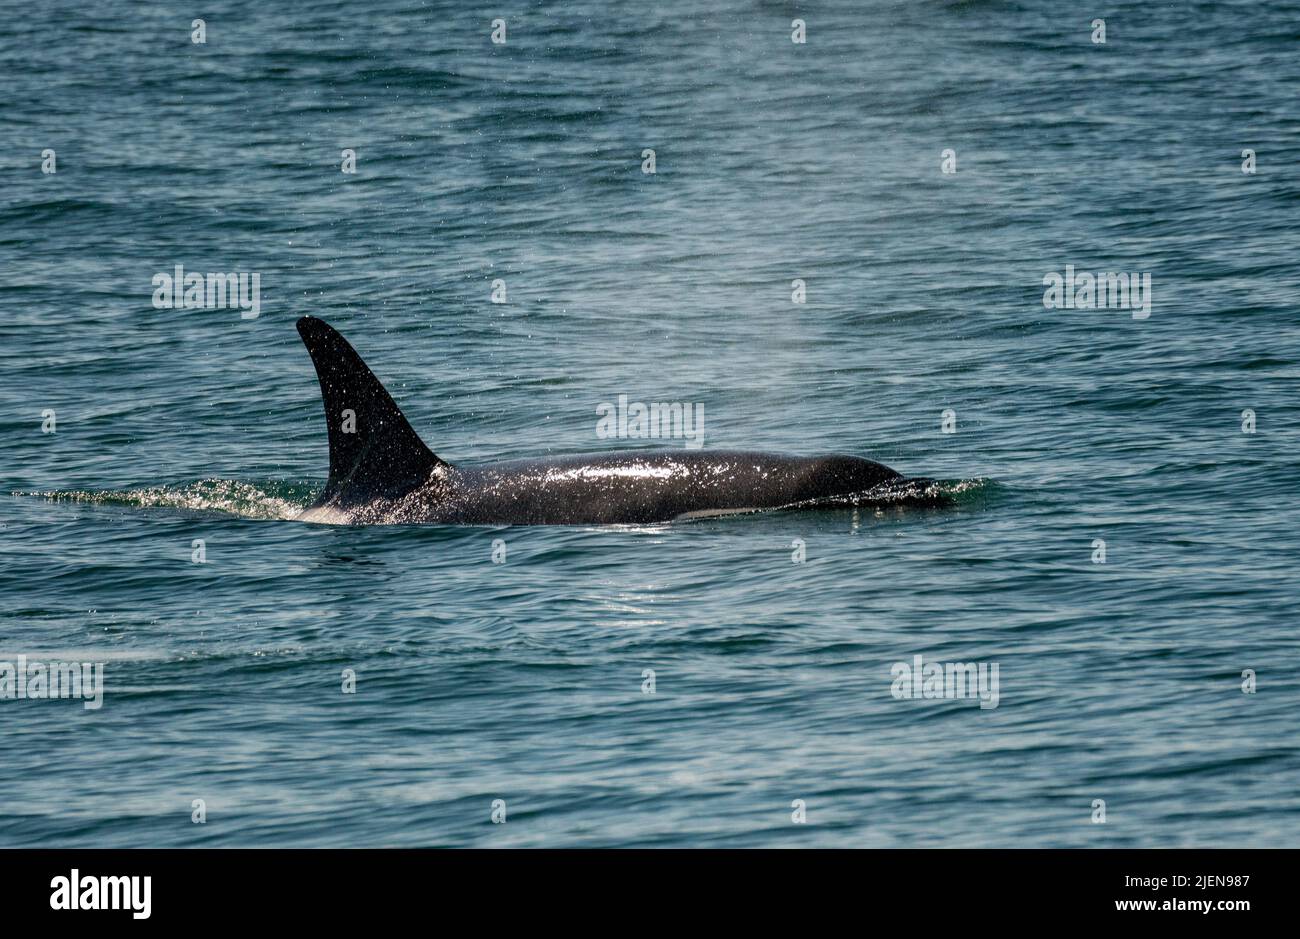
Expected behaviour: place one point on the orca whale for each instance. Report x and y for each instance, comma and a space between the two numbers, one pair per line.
382, 473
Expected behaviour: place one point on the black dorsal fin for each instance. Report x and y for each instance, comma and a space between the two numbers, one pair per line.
374, 452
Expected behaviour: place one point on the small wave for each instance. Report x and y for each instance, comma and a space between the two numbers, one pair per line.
911, 492
948, 491
265, 500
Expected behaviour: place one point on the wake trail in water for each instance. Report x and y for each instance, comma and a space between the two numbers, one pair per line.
255, 499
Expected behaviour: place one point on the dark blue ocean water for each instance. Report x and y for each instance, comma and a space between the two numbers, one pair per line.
775, 161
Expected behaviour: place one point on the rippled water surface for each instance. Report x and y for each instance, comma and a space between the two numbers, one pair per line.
775, 161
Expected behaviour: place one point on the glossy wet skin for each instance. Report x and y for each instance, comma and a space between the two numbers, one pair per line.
623, 487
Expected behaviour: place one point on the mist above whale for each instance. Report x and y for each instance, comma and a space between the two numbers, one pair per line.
381, 472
